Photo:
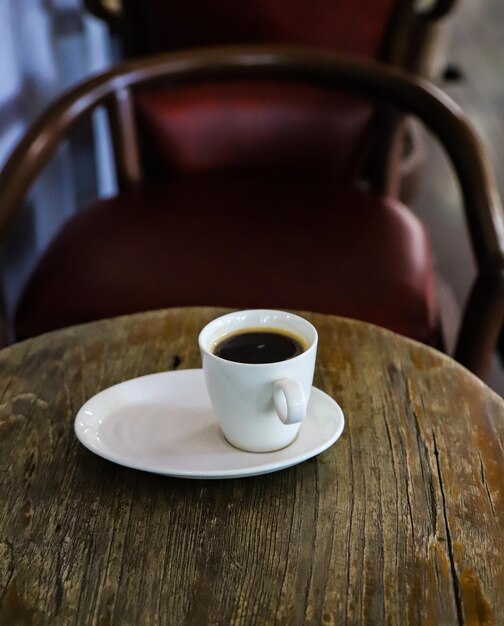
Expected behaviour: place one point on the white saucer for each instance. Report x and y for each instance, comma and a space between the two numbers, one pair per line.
163, 423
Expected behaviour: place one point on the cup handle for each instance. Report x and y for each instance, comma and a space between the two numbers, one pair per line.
289, 401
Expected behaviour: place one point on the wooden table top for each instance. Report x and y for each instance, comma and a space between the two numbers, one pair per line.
400, 522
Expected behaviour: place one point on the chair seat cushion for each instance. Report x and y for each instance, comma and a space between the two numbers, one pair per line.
239, 242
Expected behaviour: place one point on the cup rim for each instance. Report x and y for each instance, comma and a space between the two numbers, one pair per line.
309, 325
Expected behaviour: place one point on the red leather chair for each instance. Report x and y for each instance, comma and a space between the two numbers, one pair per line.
237, 219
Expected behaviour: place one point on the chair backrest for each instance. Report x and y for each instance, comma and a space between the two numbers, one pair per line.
278, 128
395, 31
334, 135
355, 27
265, 128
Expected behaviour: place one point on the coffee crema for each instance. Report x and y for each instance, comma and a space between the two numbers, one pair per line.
259, 345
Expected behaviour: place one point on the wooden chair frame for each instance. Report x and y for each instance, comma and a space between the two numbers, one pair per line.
484, 310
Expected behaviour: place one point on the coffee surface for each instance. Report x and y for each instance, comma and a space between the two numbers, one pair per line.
258, 346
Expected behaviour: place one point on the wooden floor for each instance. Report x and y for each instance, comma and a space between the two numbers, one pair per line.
472, 41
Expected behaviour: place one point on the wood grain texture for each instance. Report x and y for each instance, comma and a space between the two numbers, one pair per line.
400, 522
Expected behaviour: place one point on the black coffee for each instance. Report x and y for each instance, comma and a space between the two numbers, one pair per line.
259, 346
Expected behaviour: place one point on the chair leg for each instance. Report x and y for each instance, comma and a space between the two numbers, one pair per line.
481, 324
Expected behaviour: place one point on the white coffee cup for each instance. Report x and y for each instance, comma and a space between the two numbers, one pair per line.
259, 406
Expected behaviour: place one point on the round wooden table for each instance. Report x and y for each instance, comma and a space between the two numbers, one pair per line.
400, 522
